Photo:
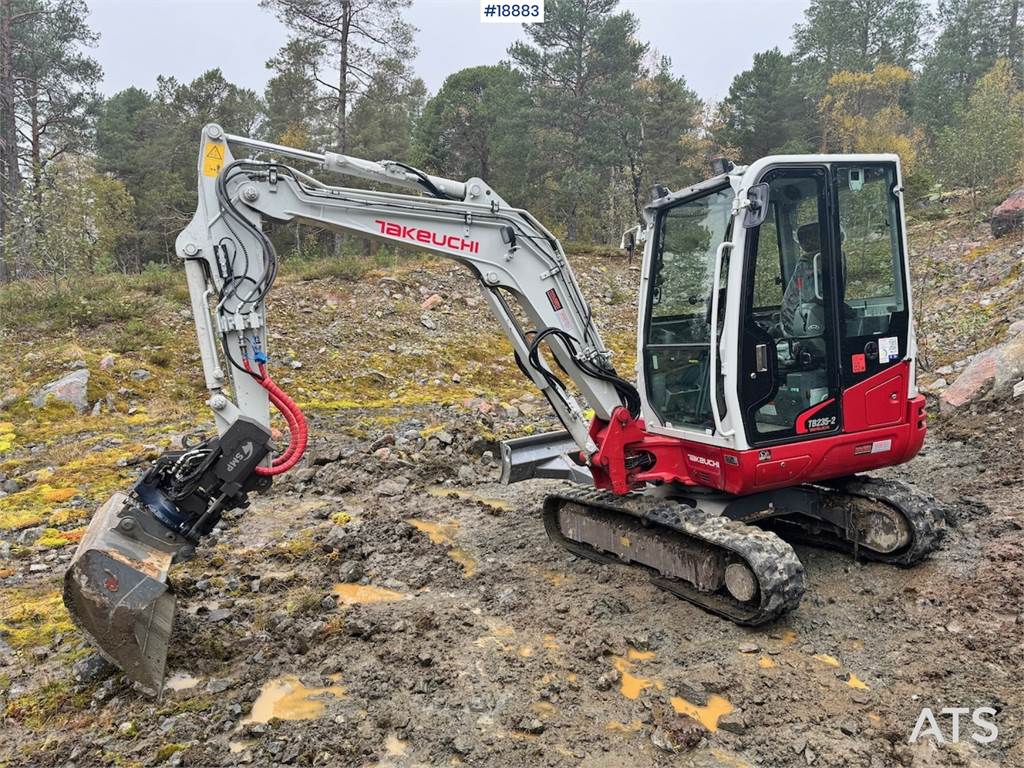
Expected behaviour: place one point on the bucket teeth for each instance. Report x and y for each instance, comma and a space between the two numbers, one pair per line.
116, 592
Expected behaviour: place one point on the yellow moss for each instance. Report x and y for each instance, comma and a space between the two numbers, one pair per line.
169, 749
341, 518
6, 436
56, 495
28, 619
53, 538
298, 547
69, 515
31, 506
36, 710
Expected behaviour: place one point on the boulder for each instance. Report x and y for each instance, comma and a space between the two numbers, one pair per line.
71, 388
1009, 214
993, 372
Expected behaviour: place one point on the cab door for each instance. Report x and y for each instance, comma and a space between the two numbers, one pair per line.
790, 384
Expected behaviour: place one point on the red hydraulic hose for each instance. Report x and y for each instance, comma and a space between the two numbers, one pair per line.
299, 431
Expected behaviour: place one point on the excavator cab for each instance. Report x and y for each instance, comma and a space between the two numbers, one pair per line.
782, 316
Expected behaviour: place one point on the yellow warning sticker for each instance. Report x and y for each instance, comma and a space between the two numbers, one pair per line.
213, 158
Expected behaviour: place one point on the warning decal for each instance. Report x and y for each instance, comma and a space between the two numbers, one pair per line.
213, 158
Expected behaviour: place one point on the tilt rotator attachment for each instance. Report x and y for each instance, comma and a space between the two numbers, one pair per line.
116, 588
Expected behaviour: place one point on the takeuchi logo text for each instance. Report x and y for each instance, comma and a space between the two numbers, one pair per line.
427, 237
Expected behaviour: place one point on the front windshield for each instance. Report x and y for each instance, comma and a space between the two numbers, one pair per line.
677, 353
689, 235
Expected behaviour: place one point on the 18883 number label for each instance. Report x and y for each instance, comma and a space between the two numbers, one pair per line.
516, 13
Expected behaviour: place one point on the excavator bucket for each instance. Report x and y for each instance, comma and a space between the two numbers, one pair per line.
116, 591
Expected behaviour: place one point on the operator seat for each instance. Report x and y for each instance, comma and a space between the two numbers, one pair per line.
802, 315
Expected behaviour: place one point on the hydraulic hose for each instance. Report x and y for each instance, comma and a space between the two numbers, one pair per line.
297, 426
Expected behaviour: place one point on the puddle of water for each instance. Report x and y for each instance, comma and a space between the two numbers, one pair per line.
543, 709
394, 746
236, 747
442, 492
855, 682
466, 560
444, 533
180, 681
438, 533
633, 726
285, 698
362, 594
707, 715
631, 686
766, 662
824, 658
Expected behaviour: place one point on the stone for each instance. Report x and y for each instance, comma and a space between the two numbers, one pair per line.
382, 442
325, 453
141, 374
1009, 214
531, 725
433, 300
749, 648
992, 373
733, 722
350, 571
91, 668
692, 691
71, 389
462, 744
217, 686
392, 487
107, 362
29, 535
329, 603
427, 323
219, 614
443, 437
1018, 389
304, 475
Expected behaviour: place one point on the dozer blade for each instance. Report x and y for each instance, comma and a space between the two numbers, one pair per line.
116, 591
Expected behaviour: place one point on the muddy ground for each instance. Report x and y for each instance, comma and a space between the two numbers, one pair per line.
389, 604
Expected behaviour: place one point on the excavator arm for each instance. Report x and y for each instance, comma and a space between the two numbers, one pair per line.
116, 586
521, 268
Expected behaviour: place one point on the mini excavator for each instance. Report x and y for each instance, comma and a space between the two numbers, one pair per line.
775, 369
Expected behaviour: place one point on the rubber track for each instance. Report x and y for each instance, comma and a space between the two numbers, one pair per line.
924, 514
779, 572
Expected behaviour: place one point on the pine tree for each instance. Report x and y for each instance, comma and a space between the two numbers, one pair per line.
766, 110
352, 39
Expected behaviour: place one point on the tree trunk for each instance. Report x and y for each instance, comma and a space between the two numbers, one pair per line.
9, 171
346, 26
1013, 49
342, 138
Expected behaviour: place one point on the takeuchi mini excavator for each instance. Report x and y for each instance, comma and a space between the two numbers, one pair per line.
775, 368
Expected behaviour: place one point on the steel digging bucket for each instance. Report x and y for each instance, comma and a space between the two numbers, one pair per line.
116, 591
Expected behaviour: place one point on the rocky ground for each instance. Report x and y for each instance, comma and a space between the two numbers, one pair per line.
389, 604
